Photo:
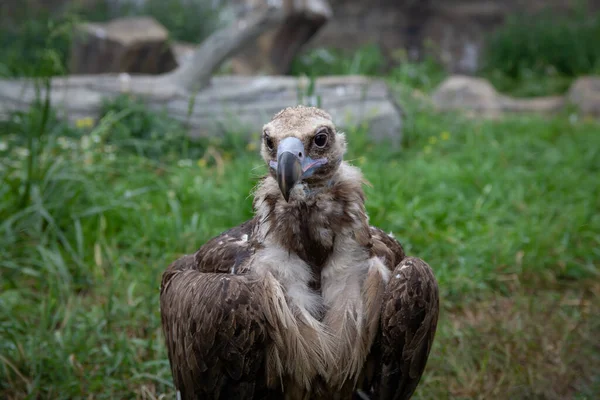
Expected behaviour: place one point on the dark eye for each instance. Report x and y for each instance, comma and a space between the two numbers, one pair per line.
321, 138
269, 142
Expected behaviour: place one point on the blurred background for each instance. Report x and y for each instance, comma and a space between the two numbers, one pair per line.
129, 134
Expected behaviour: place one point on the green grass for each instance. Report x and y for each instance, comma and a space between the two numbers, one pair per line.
542, 54
506, 212
369, 60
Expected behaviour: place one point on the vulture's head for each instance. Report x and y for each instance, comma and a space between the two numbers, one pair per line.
301, 146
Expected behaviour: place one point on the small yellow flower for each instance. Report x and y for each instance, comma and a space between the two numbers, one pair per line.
202, 163
362, 160
445, 135
251, 146
427, 149
86, 122
432, 140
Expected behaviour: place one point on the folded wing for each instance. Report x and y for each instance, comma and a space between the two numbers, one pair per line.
214, 323
409, 316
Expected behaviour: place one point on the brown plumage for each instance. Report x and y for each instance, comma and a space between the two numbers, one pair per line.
305, 300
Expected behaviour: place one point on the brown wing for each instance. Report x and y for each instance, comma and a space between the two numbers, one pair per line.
214, 326
409, 315
386, 247
229, 251
408, 324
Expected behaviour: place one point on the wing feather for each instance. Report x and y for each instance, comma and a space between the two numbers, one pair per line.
215, 329
229, 251
408, 325
387, 248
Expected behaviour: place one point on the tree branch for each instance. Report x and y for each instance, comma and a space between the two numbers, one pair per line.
217, 48
221, 45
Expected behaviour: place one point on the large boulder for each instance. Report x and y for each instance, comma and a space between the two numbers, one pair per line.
132, 44
467, 93
585, 94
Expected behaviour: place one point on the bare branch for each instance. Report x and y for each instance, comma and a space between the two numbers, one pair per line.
223, 44
217, 48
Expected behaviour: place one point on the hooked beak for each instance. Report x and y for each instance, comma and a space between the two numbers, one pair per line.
289, 171
292, 165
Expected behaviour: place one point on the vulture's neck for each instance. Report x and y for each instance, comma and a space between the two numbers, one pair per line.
315, 216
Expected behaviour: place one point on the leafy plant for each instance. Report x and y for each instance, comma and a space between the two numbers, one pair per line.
186, 20
541, 54
424, 75
370, 61
367, 60
38, 46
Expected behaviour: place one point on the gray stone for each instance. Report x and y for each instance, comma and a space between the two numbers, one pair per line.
478, 96
463, 92
133, 44
585, 94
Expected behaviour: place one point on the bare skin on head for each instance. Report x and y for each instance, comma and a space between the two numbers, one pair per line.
306, 300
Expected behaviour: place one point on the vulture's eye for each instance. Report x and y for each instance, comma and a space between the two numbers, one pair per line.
321, 138
268, 142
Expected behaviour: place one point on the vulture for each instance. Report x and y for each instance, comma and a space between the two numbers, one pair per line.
306, 299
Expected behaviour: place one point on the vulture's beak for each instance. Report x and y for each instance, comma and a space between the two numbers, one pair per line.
292, 165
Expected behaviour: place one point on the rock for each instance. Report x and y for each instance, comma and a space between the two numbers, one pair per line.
585, 94
478, 96
464, 92
541, 105
132, 44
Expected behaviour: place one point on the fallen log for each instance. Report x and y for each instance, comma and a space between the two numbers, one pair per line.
211, 105
241, 104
